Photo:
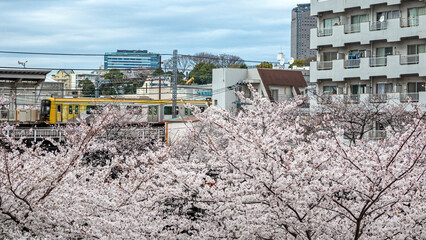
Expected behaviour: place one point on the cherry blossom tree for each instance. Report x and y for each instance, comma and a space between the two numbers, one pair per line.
260, 174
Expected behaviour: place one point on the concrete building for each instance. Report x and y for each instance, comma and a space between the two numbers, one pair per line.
128, 59
276, 85
64, 76
301, 24
370, 50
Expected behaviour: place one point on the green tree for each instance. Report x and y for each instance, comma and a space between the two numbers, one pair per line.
298, 63
114, 85
202, 73
264, 65
88, 88
242, 65
158, 71
114, 75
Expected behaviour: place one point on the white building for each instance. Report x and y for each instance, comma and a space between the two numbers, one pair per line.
276, 85
370, 49
152, 89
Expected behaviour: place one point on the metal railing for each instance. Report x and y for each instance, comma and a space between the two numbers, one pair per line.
409, 59
378, 98
405, 97
145, 133
352, 28
377, 134
324, 32
352, 63
352, 99
325, 65
377, 26
378, 61
410, 22
33, 133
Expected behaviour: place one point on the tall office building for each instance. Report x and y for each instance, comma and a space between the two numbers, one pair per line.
127, 59
370, 50
301, 24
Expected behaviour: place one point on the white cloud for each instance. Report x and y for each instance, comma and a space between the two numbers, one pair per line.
251, 29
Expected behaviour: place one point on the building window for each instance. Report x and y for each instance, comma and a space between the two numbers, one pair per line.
415, 87
383, 88
274, 93
388, 15
330, 90
358, 89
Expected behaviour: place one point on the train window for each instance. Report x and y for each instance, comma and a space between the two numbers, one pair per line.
168, 111
59, 108
154, 110
90, 109
70, 109
188, 111
76, 109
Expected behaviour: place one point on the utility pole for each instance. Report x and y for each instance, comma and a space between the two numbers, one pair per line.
97, 87
174, 83
159, 85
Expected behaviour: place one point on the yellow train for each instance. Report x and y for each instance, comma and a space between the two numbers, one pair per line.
67, 110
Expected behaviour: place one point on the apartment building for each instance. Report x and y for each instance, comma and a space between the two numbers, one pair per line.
370, 49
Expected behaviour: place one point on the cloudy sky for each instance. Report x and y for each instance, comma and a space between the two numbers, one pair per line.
251, 29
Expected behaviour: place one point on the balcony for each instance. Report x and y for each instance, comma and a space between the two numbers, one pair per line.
325, 65
352, 99
377, 134
378, 61
410, 22
406, 97
352, 63
318, 6
352, 28
391, 30
392, 66
377, 26
378, 98
409, 59
325, 32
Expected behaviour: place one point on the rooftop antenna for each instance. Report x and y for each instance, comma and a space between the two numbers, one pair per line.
291, 61
281, 59
22, 63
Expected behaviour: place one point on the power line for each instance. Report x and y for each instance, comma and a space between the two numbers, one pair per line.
102, 55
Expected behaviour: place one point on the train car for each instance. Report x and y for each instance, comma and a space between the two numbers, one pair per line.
68, 110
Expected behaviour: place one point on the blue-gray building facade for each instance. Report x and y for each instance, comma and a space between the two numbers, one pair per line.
129, 59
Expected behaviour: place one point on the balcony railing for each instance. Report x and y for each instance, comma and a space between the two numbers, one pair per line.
352, 28
410, 22
378, 98
378, 61
325, 65
352, 63
405, 97
377, 134
377, 26
325, 32
352, 99
325, 99
409, 59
